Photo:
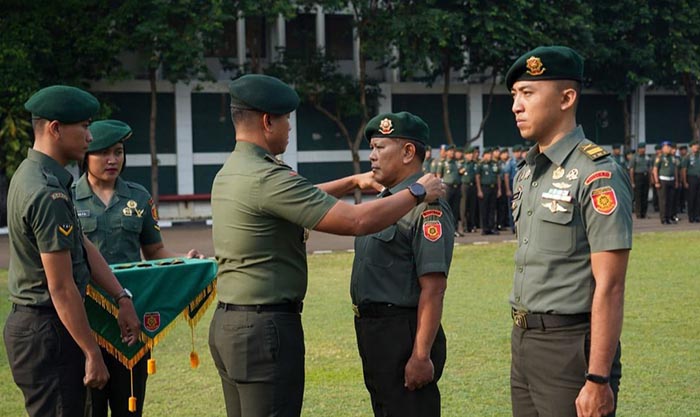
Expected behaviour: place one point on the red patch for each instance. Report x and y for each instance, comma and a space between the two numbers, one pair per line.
598, 175
432, 230
154, 213
150, 201
151, 321
432, 212
604, 200
293, 173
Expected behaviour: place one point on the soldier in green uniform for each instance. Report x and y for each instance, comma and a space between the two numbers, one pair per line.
618, 156
120, 218
573, 210
436, 165
690, 174
262, 213
503, 202
666, 181
488, 189
469, 202
428, 160
399, 277
50, 347
639, 174
449, 173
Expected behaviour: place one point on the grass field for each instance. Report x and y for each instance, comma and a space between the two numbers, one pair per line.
660, 341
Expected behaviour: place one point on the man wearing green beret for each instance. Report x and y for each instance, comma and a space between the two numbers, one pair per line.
52, 352
262, 212
639, 170
428, 160
690, 173
618, 156
666, 181
399, 277
488, 189
448, 171
469, 202
572, 205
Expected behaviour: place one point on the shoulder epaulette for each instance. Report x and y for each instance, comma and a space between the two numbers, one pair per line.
51, 180
276, 161
521, 163
136, 186
593, 151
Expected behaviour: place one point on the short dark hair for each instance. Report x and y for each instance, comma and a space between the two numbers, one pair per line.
240, 115
420, 148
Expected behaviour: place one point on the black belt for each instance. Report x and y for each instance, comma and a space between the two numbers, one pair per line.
263, 308
376, 310
547, 321
470, 184
34, 309
452, 185
490, 185
641, 173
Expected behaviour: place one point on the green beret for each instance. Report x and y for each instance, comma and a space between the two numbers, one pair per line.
657, 146
487, 149
402, 125
263, 93
63, 103
469, 149
451, 147
641, 145
695, 142
616, 146
428, 148
546, 63
106, 133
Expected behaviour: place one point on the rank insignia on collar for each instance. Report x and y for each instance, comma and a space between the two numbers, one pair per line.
385, 126
558, 173
65, 229
597, 176
572, 175
432, 230
604, 200
534, 66
525, 175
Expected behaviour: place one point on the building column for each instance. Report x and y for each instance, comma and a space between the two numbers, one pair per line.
638, 116
281, 30
384, 100
355, 53
240, 40
392, 74
320, 28
183, 138
476, 113
291, 155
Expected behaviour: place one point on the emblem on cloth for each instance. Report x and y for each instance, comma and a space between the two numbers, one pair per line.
127, 211
598, 175
57, 195
65, 229
432, 212
572, 175
154, 213
385, 127
139, 213
534, 66
554, 207
432, 230
562, 185
604, 200
151, 321
526, 174
131, 204
558, 173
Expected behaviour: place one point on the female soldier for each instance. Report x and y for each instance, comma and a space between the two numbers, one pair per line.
120, 218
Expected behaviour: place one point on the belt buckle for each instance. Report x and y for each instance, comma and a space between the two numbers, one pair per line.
520, 319
356, 310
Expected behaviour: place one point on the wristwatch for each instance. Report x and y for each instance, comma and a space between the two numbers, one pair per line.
123, 293
418, 191
598, 379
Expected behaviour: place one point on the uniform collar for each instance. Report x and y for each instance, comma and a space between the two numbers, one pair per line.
251, 149
51, 166
559, 151
83, 189
403, 184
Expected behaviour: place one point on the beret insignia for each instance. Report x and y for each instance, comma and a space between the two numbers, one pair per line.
385, 126
534, 66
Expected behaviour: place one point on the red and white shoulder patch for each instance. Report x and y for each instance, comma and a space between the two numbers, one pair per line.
432, 228
598, 175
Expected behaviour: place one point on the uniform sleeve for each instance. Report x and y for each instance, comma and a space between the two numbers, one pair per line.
433, 241
51, 217
684, 162
150, 232
292, 197
606, 207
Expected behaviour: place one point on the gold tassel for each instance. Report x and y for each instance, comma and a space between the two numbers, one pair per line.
132, 399
194, 358
151, 365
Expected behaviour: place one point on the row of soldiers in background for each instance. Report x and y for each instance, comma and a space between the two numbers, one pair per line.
479, 187
672, 173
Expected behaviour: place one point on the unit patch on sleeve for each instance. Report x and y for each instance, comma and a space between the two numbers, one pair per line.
432, 228
58, 194
604, 200
597, 176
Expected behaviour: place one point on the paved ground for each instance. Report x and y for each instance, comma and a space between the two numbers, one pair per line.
183, 236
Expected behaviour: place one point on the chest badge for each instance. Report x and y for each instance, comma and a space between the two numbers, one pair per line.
562, 185
558, 195
558, 173
525, 175
131, 204
127, 211
83, 213
139, 213
555, 207
572, 175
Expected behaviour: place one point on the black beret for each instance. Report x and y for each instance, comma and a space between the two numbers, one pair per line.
63, 103
546, 63
403, 125
106, 133
263, 93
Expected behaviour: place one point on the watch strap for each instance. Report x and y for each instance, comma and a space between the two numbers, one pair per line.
598, 379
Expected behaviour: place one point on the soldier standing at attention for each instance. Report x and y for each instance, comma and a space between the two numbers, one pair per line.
618, 156
262, 212
488, 189
52, 352
428, 160
503, 202
639, 174
469, 201
690, 173
573, 211
666, 181
449, 173
399, 277
654, 188
436, 165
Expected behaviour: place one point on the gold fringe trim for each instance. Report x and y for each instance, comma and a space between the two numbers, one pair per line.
109, 347
100, 299
210, 293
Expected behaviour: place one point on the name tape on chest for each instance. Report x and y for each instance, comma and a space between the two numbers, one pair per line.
558, 195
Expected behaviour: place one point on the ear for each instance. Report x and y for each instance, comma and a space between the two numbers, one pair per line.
568, 98
53, 129
408, 153
266, 122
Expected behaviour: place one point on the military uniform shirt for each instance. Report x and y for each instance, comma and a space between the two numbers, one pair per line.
436, 165
489, 172
41, 219
666, 164
568, 202
388, 264
640, 164
449, 170
620, 159
129, 221
691, 162
260, 208
427, 162
469, 176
